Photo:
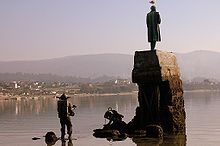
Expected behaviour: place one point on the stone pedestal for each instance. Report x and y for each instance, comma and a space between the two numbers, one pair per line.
160, 94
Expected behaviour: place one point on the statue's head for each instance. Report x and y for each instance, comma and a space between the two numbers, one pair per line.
153, 8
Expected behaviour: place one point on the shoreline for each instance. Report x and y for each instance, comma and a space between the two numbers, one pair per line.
104, 94
202, 90
17, 97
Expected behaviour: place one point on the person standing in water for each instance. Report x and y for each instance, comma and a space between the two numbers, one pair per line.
65, 110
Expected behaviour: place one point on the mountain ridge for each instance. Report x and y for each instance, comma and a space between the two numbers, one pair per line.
201, 63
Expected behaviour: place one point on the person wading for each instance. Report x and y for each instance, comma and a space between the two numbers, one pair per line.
65, 110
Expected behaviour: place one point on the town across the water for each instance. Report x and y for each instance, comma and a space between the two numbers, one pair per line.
31, 89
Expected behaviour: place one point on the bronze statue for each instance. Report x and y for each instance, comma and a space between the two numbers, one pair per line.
153, 21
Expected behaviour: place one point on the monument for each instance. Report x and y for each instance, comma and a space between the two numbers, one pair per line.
160, 96
160, 93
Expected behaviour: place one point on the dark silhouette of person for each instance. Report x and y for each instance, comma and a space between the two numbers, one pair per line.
115, 121
65, 110
153, 20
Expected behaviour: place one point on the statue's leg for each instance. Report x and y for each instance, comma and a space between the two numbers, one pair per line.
152, 45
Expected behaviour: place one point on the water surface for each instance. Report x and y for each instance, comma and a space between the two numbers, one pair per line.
21, 120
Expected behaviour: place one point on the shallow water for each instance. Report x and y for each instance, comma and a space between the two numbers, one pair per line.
21, 120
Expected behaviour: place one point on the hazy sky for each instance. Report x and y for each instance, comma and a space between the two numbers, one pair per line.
39, 29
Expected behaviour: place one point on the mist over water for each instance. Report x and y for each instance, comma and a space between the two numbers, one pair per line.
23, 119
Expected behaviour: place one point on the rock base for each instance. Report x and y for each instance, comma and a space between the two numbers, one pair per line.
160, 94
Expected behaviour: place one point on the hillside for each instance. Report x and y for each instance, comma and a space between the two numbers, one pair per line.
193, 64
199, 64
83, 66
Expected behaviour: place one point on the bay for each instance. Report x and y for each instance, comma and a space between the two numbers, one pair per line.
20, 120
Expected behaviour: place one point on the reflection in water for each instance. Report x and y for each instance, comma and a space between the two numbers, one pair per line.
23, 119
25, 106
168, 140
69, 143
147, 141
63, 143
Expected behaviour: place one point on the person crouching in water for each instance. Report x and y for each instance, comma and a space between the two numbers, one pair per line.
65, 110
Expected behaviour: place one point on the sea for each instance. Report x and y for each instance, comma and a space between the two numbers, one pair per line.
23, 119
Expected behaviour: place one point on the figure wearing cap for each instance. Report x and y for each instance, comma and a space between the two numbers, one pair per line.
65, 110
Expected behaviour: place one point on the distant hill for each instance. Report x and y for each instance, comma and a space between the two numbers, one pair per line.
79, 66
195, 64
199, 64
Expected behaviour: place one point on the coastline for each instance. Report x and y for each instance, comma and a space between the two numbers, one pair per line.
17, 97
202, 90
104, 94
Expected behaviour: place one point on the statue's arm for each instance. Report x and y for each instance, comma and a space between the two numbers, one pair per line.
147, 20
158, 18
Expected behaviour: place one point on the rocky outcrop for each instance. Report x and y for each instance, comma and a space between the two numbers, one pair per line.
161, 104
160, 94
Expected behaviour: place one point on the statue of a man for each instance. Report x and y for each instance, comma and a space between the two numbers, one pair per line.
153, 21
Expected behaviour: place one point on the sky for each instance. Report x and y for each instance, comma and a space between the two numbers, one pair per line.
43, 29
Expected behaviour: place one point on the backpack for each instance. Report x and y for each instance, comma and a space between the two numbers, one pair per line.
62, 108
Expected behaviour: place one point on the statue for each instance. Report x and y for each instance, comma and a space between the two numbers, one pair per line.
161, 103
153, 21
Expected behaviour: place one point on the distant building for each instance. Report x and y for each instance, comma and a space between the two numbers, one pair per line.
15, 84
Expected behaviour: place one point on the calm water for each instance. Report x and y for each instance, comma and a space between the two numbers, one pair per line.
24, 119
